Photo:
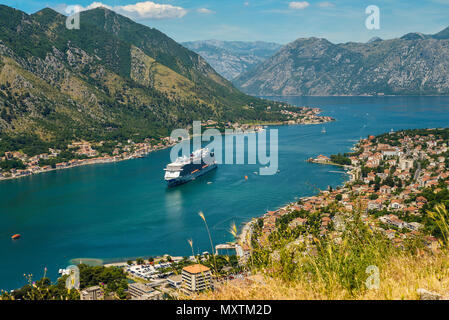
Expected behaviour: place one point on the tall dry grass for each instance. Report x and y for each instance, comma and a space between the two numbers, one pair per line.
342, 268
400, 277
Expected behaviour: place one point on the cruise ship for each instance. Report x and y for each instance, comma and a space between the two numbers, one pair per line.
185, 169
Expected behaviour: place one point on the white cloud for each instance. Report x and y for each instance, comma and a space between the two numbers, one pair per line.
205, 11
326, 4
141, 10
149, 9
298, 5
94, 5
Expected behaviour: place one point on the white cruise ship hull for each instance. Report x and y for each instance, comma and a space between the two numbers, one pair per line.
184, 179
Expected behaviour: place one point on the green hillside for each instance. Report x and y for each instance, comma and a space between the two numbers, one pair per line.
111, 79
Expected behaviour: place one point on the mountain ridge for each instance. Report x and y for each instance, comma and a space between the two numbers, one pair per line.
415, 64
231, 58
103, 82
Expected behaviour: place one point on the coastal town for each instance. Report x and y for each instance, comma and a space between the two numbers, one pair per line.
394, 179
16, 163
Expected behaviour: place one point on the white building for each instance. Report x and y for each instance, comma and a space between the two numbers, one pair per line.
196, 278
405, 164
142, 291
92, 293
175, 281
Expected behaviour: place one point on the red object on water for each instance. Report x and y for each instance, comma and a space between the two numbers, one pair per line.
15, 237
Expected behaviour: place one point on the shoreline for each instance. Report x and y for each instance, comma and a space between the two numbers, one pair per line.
247, 226
88, 162
358, 96
141, 154
394, 223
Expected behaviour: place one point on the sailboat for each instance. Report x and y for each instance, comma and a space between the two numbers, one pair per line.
323, 130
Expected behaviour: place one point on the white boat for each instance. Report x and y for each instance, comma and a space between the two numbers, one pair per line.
186, 169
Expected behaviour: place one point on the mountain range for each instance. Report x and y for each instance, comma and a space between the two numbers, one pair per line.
232, 58
415, 64
111, 79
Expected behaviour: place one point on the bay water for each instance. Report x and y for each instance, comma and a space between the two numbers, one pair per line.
124, 210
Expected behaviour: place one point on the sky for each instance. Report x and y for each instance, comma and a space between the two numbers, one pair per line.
269, 20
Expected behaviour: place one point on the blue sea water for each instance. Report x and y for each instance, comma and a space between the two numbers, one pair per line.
120, 210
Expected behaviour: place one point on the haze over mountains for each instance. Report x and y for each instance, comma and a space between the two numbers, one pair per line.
232, 58
415, 64
112, 78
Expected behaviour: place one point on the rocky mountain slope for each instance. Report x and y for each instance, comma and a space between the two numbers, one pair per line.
232, 58
111, 79
415, 64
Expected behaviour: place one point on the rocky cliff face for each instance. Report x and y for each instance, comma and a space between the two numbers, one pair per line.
415, 64
232, 58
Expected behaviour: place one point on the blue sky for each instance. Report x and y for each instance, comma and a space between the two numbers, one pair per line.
270, 20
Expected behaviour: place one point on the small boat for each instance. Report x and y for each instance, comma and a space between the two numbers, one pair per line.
323, 130
15, 237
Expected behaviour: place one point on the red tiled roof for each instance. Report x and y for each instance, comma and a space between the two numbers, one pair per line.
196, 268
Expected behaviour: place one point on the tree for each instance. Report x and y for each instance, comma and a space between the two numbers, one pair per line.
113, 278
340, 159
43, 289
389, 181
373, 196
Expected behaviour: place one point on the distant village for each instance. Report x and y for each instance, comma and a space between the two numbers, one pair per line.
307, 116
86, 152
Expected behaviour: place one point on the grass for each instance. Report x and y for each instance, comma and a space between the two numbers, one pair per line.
342, 266
400, 277
201, 214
